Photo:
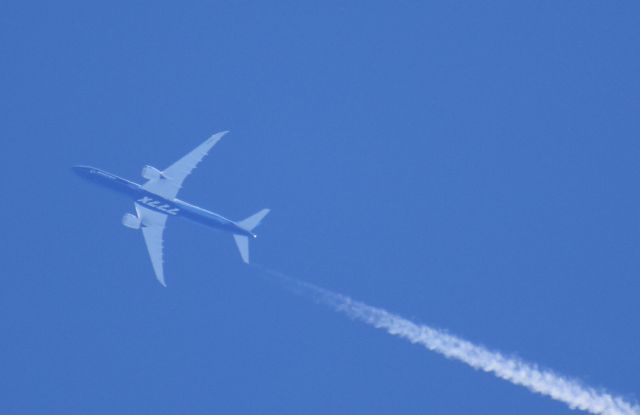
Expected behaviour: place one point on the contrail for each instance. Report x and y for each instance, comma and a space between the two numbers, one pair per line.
516, 371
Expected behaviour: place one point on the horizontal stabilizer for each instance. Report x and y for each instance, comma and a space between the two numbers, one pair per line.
252, 221
243, 246
248, 225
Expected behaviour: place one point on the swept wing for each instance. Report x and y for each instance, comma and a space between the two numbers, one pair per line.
153, 223
169, 183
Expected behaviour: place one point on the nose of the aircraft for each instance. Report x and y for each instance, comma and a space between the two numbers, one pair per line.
80, 170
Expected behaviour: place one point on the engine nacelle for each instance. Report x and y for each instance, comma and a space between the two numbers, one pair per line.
131, 221
151, 173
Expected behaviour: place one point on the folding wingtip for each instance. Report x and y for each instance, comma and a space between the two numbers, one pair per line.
160, 278
219, 135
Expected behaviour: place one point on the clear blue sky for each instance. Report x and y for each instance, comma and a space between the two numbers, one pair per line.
470, 166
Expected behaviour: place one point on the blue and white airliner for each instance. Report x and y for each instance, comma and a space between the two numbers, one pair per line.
155, 201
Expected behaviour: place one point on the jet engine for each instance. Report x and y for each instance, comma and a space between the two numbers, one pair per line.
131, 221
151, 173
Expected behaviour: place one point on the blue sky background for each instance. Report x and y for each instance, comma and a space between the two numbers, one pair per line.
469, 166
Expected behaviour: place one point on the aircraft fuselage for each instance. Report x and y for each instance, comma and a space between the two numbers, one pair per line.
175, 207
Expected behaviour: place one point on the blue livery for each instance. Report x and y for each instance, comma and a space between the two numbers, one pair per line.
175, 207
156, 200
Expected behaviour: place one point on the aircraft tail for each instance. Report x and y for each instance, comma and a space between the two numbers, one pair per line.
248, 224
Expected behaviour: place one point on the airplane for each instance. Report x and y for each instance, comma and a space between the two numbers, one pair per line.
155, 201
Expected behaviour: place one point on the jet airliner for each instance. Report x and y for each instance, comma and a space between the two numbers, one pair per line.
155, 201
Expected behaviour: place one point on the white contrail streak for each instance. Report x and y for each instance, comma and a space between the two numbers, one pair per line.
542, 381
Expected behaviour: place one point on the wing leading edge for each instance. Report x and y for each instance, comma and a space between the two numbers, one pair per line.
170, 182
167, 185
153, 224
